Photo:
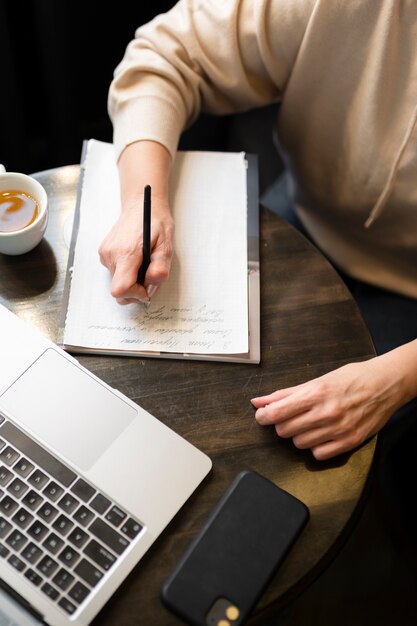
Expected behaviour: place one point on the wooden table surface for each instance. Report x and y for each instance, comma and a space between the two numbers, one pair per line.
309, 325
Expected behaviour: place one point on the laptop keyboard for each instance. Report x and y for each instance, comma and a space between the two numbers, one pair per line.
56, 529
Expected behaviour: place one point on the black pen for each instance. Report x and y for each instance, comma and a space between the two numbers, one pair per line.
146, 249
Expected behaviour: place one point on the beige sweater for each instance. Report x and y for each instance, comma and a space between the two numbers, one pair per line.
345, 73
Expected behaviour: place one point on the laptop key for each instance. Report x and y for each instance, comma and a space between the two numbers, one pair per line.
4, 551
99, 554
50, 591
79, 592
37, 530
53, 543
34, 578
23, 518
23, 467
5, 476
63, 525
53, 491
16, 540
78, 537
47, 566
68, 503
69, 556
131, 528
8, 506
16, 562
63, 579
47, 512
109, 536
31, 553
17, 488
9, 456
32, 500
38, 479
115, 516
83, 516
36, 453
83, 490
100, 503
90, 574
5, 528
68, 606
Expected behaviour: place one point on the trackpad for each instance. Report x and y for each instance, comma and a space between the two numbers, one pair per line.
69, 409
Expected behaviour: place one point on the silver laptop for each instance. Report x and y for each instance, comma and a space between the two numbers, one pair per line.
88, 480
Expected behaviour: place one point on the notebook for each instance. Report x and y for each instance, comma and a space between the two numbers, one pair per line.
209, 307
73, 524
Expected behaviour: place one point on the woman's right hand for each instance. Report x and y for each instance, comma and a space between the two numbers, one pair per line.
141, 163
121, 252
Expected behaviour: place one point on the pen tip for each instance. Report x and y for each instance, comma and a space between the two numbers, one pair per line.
151, 290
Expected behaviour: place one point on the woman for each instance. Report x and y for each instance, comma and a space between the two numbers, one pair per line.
345, 76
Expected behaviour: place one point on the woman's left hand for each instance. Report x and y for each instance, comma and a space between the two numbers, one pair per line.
336, 412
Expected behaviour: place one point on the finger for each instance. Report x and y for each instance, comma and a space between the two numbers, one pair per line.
104, 256
124, 277
300, 401
124, 285
339, 444
158, 270
325, 444
311, 438
272, 397
137, 293
301, 424
329, 449
269, 414
128, 301
321, 443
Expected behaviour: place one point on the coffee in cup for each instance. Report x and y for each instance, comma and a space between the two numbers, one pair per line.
23, 212
17, 210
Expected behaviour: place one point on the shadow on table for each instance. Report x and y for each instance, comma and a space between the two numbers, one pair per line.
29, 274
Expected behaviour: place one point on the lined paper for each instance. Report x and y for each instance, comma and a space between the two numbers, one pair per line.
203, 307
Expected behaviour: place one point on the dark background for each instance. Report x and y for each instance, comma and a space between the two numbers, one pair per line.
58, 59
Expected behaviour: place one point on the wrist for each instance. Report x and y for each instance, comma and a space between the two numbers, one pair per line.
132, 202
400, 366
144, 163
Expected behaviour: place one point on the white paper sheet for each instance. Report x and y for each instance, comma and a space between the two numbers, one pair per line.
203, 308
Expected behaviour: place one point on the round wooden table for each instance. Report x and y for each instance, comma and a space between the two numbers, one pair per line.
309, 325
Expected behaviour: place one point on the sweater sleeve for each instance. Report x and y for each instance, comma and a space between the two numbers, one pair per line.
217, 56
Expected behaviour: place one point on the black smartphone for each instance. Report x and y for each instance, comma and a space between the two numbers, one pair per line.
223, 572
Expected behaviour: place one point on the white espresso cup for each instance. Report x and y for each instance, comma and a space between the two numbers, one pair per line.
25, 237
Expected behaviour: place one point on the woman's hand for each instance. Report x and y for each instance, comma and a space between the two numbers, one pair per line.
340, 410
121, 252
141, 163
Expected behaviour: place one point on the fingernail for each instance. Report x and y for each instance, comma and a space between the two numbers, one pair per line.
151, 290
251, 401
144, 300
